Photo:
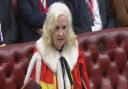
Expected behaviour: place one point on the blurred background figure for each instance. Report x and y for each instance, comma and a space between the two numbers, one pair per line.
8, 26
31, 17
91, 15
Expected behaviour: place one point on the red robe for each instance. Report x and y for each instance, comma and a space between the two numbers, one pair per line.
48, 79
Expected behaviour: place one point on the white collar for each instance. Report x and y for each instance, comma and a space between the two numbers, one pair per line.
50, 54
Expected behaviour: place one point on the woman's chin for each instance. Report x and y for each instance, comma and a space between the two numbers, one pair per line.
59, 47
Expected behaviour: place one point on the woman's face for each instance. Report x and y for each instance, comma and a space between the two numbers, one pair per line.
59, 32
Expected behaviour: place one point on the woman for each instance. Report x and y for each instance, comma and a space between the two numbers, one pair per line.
57, 63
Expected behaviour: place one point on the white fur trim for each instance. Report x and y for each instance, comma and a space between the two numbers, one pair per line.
31, 66
60, 77
50, 54
38, 69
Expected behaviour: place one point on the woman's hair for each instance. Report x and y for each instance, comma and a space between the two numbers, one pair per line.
54, 11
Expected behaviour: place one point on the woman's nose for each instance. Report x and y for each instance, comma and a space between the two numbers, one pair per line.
61, 32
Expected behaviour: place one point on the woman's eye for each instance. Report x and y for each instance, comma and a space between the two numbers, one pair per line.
57, 27
63, 27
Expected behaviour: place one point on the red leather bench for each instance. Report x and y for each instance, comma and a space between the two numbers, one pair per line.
106, 58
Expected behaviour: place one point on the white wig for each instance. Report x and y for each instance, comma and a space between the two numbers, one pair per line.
54, 11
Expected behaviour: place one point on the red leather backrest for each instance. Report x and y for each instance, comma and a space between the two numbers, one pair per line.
14, 61
106, 58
